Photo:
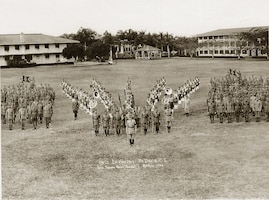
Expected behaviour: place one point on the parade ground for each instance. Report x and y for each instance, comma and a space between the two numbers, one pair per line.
196, 160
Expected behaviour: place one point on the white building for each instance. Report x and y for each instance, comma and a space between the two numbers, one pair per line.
226, 43
32, 48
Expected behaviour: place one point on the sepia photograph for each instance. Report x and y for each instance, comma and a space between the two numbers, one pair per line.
142, 100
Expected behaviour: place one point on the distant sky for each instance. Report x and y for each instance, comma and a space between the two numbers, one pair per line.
177, 17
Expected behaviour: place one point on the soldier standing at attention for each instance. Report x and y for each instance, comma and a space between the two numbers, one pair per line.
131, 129
117, 122
237, 109
220, 108
168, 115
48, 113
23, 116
40, 111
106, 122
211, 110
34, 111
144, 120
229, 109
96, 121
156, 119
75, 107
3, 112
267, 108
257, 108
10, 116
246, 108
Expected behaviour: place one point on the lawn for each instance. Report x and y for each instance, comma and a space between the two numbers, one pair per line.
196, 160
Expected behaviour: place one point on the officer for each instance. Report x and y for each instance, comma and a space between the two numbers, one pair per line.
23, 116
106, 122
168, 117
96, 121
131, 129
75, 106
10, 116
156, 119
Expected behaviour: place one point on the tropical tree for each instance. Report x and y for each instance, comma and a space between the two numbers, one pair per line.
76, 51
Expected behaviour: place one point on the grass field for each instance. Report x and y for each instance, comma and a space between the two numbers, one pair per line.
196, 160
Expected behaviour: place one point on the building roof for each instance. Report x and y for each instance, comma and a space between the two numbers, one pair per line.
20, 39
229, 31
148, 48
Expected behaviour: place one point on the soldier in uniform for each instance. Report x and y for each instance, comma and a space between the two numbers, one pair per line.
257, 108
186, 105
168, 117
106, 122
117, 122
75, 106
246, 108
96, 121
211, 109
144, 120
156, 119
3, 112
23, 116
219, 108
34, 111
48, 111
237, 109
267, 108
131, 129
229, 109
40, 111
10, 116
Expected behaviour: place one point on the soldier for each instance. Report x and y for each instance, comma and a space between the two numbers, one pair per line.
117, 122
40, 111
3, 112
168, 117
106, 122
96, 121
186, 105
220, 108
267, 107
237, 109
257, 109
229, 109
156, 119
75, 106
246, 108
23, 116
211, 109
131, 129
144, 120
34, 111
10, 116
48, 111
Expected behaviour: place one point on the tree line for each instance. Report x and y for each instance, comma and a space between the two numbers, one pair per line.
93, 44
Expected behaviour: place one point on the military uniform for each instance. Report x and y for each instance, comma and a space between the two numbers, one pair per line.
246, 108
75, 107
10, 116
106, 123
40, 111
211, 110
131, 129
23, 116
117, 122
257, 109
144, 120
48, 111
220, 109
267, 108
156, 119
96, 122
168, 117
34, 111
3, 112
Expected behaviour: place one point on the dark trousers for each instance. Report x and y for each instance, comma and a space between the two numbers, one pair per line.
75, 113
237, 116
246, 115
23, 124
211, 116
267, 119
34, 121
157, 126
10, 124
221, 117
47, 119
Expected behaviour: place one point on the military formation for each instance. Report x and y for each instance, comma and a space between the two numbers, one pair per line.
237, 98
27, 102
127, 118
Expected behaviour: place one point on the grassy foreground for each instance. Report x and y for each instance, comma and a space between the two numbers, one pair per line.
196, 160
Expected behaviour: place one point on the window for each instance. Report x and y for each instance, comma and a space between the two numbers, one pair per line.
220, 37
6, 48
221, 51
227, 52
6, 58
27, 46
211, 52
17, 47
57, 46
46, 46
210, 37
200, 38
232, 51
47, 56
206, 52
37, 46
201, 52
216, 52
205, 38
57, 56
244, 51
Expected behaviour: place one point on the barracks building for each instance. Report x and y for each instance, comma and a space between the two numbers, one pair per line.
32, 49
226, 43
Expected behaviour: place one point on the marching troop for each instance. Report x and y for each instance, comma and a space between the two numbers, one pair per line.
237, 98
27, 102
